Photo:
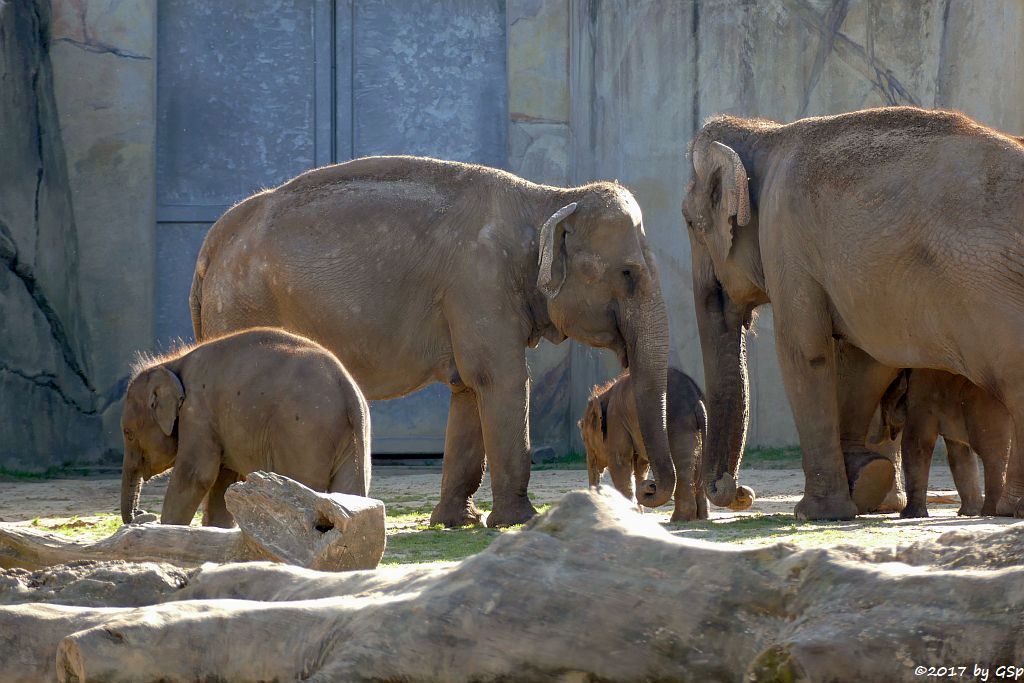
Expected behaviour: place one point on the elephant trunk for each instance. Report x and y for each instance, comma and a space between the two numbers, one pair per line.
723, 346
131, 484
644, 327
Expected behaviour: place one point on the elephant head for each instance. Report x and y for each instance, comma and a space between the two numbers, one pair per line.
727, 273
594, 429
602, 288
149, 425
893, 411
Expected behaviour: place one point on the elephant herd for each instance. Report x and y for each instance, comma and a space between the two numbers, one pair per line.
889, 242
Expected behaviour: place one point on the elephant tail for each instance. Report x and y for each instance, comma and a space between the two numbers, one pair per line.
195, 298
354, 454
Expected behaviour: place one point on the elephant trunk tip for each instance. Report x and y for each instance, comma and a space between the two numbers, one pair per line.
722, 492
652, 495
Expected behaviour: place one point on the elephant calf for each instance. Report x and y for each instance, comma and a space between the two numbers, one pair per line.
261, 399
925, 404
612, 438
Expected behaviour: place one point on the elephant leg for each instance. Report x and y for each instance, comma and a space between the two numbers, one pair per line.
861, 382
803, 332
620, 467
215, 511
504, 402
196, 470
1011, 501
685, 449
963, 464
991, 433
462, 469
919, 436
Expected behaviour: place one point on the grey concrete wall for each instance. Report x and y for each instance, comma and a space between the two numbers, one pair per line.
104, 64
48, 410
596, 89
646, 73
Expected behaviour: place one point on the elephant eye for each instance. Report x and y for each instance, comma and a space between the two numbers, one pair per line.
630, 278
129, 434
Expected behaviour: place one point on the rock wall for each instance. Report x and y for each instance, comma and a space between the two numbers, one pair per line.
48, 406
596, 89
104, 72
645, 74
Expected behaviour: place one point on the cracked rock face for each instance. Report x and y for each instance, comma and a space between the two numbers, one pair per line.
48, 411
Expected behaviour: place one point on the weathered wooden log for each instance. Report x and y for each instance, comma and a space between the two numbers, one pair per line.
284, 521
588, 591
278, 519
179, 545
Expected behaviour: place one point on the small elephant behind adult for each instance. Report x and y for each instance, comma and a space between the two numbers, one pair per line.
926, 404
612, 439
260, 399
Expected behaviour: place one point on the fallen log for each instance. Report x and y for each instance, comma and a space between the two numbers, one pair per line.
588, 591
278, 519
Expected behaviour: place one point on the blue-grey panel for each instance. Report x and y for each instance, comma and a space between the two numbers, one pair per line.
236, 97
429, 79
411, 424
177, 246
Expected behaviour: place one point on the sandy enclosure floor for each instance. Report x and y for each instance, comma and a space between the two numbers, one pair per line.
411, 491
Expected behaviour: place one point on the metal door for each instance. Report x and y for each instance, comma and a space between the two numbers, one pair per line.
250, 94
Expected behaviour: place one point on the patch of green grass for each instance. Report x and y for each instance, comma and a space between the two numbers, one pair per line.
411, 539
570, 461
93, 528
763, 529
772, 458
63, 470
435, 544
90, 527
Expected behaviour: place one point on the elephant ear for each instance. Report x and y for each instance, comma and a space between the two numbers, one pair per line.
165, 398
552, 234
893, 409
722, 170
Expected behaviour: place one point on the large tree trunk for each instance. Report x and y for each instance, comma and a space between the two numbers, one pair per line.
278, 519
588, 591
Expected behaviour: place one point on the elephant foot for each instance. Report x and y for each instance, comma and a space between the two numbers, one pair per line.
989, 508
873, 483
837, 506
518, 511
460, 513
685, 513
913, 511
970, 508
1010, 506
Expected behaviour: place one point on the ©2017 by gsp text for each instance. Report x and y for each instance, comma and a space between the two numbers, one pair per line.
978, 672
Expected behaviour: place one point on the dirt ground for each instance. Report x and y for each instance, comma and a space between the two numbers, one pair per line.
410, 492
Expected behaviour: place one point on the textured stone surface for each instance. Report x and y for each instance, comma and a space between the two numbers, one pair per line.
594, 89
291, 523
103, 54
646, 74
589, 591
48, 408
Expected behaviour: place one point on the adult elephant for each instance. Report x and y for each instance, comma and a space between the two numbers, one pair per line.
414, 270
830, 219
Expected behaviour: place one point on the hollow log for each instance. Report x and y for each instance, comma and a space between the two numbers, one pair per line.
588, 591
278, 519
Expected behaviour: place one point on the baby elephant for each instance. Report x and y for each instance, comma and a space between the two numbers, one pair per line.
611, 434
925, 404
260, 399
